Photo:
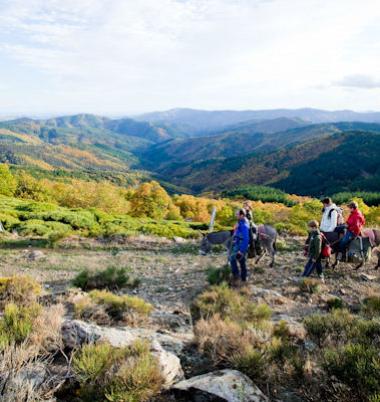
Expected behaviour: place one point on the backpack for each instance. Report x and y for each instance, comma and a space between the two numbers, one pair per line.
340, 218
326, 248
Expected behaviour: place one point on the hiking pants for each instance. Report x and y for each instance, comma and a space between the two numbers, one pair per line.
310, 265
242, 261
345, 241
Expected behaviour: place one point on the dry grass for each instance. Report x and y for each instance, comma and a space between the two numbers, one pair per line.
24, 376
105, 307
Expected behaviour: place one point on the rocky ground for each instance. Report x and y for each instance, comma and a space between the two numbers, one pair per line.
173, 273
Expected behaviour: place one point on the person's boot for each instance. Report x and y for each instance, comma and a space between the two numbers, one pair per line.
339, 256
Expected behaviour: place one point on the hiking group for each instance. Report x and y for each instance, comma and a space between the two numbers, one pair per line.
333, 234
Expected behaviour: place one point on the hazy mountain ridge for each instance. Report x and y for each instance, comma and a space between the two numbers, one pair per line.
201, 120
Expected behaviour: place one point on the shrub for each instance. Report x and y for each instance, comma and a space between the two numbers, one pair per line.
228, 303
129, 374
250, 361
216, 276
357, 366
22, 290
101, 304
223, 340
371, 306
310, 285
334, 303
335, 326
111, 278
17, 323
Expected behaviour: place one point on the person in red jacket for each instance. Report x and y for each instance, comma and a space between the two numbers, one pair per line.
355, 223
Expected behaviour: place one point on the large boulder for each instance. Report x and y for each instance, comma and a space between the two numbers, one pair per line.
220, 386
75, 333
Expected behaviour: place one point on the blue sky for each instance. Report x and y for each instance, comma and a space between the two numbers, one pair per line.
120, 57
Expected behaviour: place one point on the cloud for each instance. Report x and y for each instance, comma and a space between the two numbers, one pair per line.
125, 55
359, 81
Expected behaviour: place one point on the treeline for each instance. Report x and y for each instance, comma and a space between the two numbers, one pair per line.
260, 193
370, 198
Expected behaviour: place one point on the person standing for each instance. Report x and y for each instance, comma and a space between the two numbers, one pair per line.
253, 247
329, 220
314, 251
240, 243
355, 223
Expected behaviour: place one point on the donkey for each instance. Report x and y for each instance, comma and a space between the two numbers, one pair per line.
372, 234
267, 237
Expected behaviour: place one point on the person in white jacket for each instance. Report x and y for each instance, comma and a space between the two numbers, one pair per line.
330, 216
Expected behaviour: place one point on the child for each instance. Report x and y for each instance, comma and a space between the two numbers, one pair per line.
314, 250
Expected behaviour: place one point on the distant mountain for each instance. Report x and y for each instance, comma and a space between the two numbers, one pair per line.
197, 121
167, 157
320, 159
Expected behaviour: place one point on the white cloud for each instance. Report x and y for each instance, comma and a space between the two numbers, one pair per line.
136, 55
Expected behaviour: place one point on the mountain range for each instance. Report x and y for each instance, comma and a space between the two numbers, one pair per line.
303, 151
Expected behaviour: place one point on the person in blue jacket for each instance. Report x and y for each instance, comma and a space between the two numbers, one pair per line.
240, 243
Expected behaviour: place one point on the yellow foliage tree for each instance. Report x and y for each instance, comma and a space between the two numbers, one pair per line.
150, 200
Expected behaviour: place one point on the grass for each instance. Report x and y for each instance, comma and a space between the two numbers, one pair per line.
129, 374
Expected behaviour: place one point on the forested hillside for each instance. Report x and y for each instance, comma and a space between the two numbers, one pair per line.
286, 152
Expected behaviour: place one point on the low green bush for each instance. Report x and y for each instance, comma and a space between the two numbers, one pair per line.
17, 323
334, 303
216, 276
111, 278
357, 366
371, 306
129, 374
310, 285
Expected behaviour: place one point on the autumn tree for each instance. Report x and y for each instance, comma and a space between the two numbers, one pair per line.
30, 188
8, 183
150, 200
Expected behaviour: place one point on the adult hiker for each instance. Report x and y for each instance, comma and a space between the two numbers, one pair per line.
254, 247
314, 250
355, 223
240, 242
330, 216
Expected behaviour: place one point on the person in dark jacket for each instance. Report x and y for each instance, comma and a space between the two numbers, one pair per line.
314, 251
254, 244
240, 243
355, 223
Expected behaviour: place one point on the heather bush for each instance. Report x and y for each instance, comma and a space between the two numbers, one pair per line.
112, 278
19, 289
129, 374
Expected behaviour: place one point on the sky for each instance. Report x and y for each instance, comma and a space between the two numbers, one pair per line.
123, 57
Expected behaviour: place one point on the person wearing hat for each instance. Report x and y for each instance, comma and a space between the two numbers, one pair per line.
355, 223
314, 251
240, 242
